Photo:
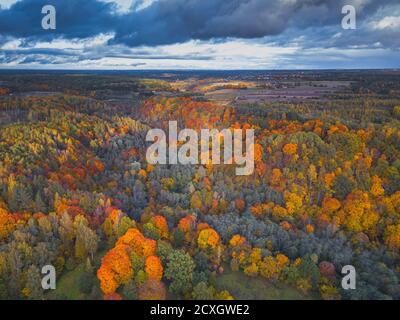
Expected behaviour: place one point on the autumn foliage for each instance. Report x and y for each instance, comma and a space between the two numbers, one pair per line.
153, 268
116, 268
7, 223
208, 238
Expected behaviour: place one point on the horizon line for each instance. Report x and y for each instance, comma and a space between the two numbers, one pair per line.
197, 70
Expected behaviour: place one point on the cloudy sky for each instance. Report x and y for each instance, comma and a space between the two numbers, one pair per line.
199, 34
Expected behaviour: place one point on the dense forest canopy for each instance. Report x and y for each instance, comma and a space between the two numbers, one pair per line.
76, 191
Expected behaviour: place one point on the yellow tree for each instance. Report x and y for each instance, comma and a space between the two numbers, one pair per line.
376, 188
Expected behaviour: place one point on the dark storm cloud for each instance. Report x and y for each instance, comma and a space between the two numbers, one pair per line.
174, 21
171, 21
75, 19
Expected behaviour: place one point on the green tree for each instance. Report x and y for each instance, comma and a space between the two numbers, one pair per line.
396, 112
86, 282
125, 224
34, 283
342, 186
164, 248
179, 271
178, 239
203, 292
86, 242
129, 291
150, 231
40, 206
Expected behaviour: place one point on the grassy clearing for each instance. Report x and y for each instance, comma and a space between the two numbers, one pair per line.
68, 286
243, 287
68, 283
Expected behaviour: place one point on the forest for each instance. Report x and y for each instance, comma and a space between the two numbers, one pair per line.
76, 191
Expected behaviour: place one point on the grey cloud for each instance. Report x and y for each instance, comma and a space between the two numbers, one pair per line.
171, 21
175, 21
305, 23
